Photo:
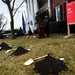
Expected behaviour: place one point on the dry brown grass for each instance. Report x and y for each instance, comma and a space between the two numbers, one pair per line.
55, 44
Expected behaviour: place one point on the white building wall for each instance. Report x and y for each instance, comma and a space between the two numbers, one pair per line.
35, 7
30, 11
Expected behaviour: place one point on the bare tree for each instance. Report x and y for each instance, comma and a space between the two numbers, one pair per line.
10, 4
3, 22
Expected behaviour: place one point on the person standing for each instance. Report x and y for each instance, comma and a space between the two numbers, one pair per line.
30, 33
47, 25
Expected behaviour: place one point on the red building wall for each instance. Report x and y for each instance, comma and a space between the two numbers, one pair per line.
55, 3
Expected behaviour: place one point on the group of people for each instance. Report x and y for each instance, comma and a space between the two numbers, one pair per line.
30, 32
47, 28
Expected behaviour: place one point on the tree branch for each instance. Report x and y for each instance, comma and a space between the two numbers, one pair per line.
13, 4
4, 1
18, 7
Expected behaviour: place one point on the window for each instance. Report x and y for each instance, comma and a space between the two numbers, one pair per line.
58, 13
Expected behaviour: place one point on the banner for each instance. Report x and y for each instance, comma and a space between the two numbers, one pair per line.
70, 12
23, 24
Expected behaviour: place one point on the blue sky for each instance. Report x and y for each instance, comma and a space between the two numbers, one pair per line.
18, 16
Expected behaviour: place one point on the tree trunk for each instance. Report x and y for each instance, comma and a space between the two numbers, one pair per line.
10, 5
12, 25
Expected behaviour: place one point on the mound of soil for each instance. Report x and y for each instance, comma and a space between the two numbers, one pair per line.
4, 46
49, 65
19, 51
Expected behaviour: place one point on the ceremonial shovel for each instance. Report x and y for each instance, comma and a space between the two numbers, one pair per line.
30, 61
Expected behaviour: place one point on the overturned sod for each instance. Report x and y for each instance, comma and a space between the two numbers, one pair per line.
4, 46
19, 51
49, 65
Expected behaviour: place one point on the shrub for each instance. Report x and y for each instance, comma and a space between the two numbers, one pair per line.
58, 27
72, 28
40, 16
19, 32
1, 35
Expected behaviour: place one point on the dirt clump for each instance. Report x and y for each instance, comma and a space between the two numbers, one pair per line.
49, 65
19, 51
4, 46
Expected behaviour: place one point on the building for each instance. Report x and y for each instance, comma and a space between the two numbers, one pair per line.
44, 5
55, 8
58, 9
34, 6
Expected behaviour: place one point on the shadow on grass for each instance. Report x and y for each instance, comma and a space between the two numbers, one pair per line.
50, 65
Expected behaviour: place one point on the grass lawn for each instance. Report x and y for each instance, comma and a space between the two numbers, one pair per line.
55, 44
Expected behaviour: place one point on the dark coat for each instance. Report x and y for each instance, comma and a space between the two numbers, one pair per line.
47, 25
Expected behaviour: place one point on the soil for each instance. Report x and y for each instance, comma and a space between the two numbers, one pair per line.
19, 51
50, 65
4, 46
